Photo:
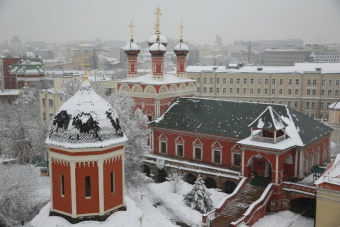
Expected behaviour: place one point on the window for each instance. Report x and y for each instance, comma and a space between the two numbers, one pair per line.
337, 82
224, 80
198, 80
244, 90
62, 190
251, 81
198, 153
43, 102
231, 81
258, 91
323, 82
231, 90
307, 105
238, 80
112, 182
180, 150
251, 91
281, 81
44, 116
217, 80
238, 90
296, 104
297, 81
217, 90
322, 92
290, 81
314, 92
258, 81
329, 92
273, 81
266, 91
204, 89
321, 105
87, 186
210, 90
50, 103
289, 91
314, 82
296, 92
163, 147
273, 91
309, 82
308, 92
205, 80
280, 102
211, 81
330, 82
217, 156
312, 116
224, 90
280, 91
313, 105
237, 159
244, 81
51, 117
198, 90
336, 92
289, 104
266, 81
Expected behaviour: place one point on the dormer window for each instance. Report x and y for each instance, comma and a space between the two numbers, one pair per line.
268, 127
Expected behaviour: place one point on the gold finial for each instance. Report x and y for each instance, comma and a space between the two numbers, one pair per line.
181, 27
131, 27
85, 76
158, 13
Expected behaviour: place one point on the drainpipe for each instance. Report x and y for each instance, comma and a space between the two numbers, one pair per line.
301, 95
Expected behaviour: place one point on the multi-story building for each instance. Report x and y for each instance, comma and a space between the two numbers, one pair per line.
325, 57
306, 87
284, 57
265, 44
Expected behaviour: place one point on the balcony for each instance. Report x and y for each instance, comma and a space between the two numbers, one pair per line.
260, 138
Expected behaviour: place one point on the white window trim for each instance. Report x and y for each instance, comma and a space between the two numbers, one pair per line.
180, 143
194, 146
216, 146
160, 140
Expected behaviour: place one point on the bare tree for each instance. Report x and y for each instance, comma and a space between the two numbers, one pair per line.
176, 181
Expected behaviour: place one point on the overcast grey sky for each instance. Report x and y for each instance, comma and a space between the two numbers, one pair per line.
68, 20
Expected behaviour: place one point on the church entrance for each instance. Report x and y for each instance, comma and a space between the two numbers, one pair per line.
261, 171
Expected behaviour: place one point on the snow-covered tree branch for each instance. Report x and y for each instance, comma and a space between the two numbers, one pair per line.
176, 181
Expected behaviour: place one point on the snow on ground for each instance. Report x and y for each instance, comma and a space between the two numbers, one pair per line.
284, 219
129, 218
175, 203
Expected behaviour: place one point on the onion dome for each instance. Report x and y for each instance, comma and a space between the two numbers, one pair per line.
131, 48
157, 49
85, 121
181, 48
153, 39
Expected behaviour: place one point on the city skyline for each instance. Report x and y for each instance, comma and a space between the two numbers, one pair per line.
61, 21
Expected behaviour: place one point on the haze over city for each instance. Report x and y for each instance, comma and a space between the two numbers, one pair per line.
62, 20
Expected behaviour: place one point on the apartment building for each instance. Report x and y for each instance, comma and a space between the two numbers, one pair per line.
284, 57
306, 87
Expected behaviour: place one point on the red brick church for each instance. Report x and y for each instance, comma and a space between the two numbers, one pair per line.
231, 143
154, 92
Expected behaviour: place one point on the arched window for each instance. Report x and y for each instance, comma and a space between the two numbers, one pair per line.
62, 185
112, 182
87, 186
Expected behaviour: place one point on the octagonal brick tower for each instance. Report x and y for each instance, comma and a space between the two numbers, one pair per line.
86, 158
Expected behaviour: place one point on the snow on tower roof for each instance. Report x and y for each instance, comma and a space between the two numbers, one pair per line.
85, 121
181, 46
268, 119
162, 39
131, 46
157, 47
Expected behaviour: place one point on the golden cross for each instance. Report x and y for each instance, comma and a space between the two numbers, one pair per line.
181, 27
158, 13
131, 27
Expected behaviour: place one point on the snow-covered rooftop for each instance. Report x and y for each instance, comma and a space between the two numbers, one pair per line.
332, 173
335, 105
9, 92
297, 68
181, 46
147, 79
131, 46
85, 121
162, 38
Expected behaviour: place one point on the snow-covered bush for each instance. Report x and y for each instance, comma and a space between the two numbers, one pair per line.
199, 198
18, 183
134, 125
176, 181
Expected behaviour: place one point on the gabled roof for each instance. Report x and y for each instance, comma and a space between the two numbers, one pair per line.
268, 119
232, 118
335, 105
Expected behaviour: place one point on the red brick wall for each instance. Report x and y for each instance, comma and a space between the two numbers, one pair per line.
10, 81
115, 199
84, 205
61, 203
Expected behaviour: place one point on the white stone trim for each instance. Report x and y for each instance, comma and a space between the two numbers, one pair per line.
73, 189
51, 178
179, 143
160, 141
101, 186
277, 170
85, 149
